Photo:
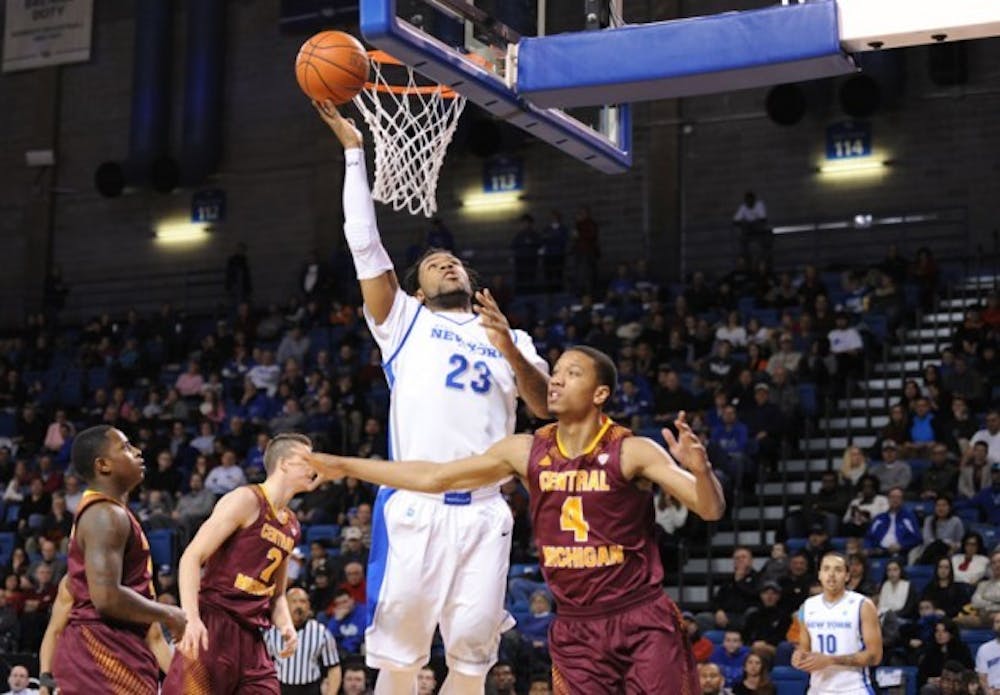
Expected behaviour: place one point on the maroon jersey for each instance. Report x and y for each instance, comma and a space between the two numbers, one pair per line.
137, 567
593, 528
240, 576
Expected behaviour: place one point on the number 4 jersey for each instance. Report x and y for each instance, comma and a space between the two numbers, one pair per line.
453, 393
239, 577
593, 528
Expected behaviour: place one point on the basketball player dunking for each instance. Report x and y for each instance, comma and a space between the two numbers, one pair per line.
244, 546
616, 631
842, 638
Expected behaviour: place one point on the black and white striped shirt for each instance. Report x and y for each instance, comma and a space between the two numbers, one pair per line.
317, 652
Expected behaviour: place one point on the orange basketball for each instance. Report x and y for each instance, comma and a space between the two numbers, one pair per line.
332, 65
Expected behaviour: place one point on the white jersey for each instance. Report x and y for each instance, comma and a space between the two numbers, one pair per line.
836, 629
452, 393
988, 662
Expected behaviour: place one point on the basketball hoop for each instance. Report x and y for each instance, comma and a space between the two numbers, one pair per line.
412, 125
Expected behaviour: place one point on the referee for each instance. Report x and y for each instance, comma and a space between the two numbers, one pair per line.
316, 656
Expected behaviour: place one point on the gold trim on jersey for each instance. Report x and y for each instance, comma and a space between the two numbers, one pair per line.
608, 422
119, 675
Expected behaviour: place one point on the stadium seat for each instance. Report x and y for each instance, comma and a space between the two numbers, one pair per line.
161, 546
12, 513
876, 569
974, 639
807, 399
715, 636
920, 576
789, 681
322, 532
969, 515
520, 569
794, 545
838, 543
8, 540
8, 424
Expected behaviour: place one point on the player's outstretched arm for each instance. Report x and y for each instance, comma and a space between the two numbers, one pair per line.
104, 531
532, 382
232, 512
696, 488
371, 261
507, 457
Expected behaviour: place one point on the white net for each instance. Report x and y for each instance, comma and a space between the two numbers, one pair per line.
411, 125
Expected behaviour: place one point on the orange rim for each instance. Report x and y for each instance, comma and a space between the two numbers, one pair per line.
384, 58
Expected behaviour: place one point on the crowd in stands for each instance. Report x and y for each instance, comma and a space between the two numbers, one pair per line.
751, 356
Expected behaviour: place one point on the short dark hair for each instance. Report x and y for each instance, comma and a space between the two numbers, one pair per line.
88, 446
278, 448
607, 373
411, 276
953, 666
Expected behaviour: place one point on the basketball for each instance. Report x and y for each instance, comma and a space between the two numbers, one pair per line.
332, 65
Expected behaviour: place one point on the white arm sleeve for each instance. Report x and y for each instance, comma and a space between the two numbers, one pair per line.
360, 228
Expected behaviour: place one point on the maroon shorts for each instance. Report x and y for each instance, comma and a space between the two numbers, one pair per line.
93, 657
638, 649
236, 661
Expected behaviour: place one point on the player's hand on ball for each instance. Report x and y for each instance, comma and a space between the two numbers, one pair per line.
291, 640
343, 128
686, 448
493, 320
195, 638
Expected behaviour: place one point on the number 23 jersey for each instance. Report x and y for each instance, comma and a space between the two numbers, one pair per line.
453, 393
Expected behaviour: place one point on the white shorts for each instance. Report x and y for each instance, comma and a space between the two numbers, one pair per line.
431, 564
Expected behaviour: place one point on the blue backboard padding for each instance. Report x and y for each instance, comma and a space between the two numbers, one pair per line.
683, 57
438, 62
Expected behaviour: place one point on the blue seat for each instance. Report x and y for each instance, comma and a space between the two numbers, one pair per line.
838, 543
767, 317
876, 569
8, 424
715, 636
161, 546
322, 532
794, 545
13, 511
878, 325
97, 378
789, 681
970, 515
8, 540
521, 569
920, 576
807, 399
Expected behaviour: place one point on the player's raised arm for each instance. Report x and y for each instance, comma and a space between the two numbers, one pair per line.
371, 261
232, 512
532, 381
694, 485
104, 531
281, 617
507, 457
57, 623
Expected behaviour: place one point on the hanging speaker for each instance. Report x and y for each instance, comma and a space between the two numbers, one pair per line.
860, 96
948, 63
786, 104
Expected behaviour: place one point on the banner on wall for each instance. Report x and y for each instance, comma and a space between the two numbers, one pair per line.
40, 33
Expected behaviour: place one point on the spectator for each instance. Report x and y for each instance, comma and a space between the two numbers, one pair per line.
669, 397
786, 356
266, 374
719, 369
426, 681
750, 220
945, 647
960, 427
193, 508
988, 661
711, 679
294, 346
986, 599
766, 426
776, 566
19, 681
857, 575
190, 382
525, 247
988, 499
817, 545
347, 622
239, 284
895, 531
892, 472
897, 594
949, 683
947, 595
225, 477
554, 241
867, 505
354, 582
756, 677
970, 564
701, 646
796, 584
766, 627
502, 679
924, 430
730, 655
736, 593
847, 346
991, 435
355, 679
942, 533
732, 436
853, 466
941, 477
671, 516
586, 251
974, 474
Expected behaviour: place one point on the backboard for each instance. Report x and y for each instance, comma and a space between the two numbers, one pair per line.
464, 44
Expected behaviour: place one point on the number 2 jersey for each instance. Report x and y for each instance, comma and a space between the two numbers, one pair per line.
453, 393
240, 576
593, 528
